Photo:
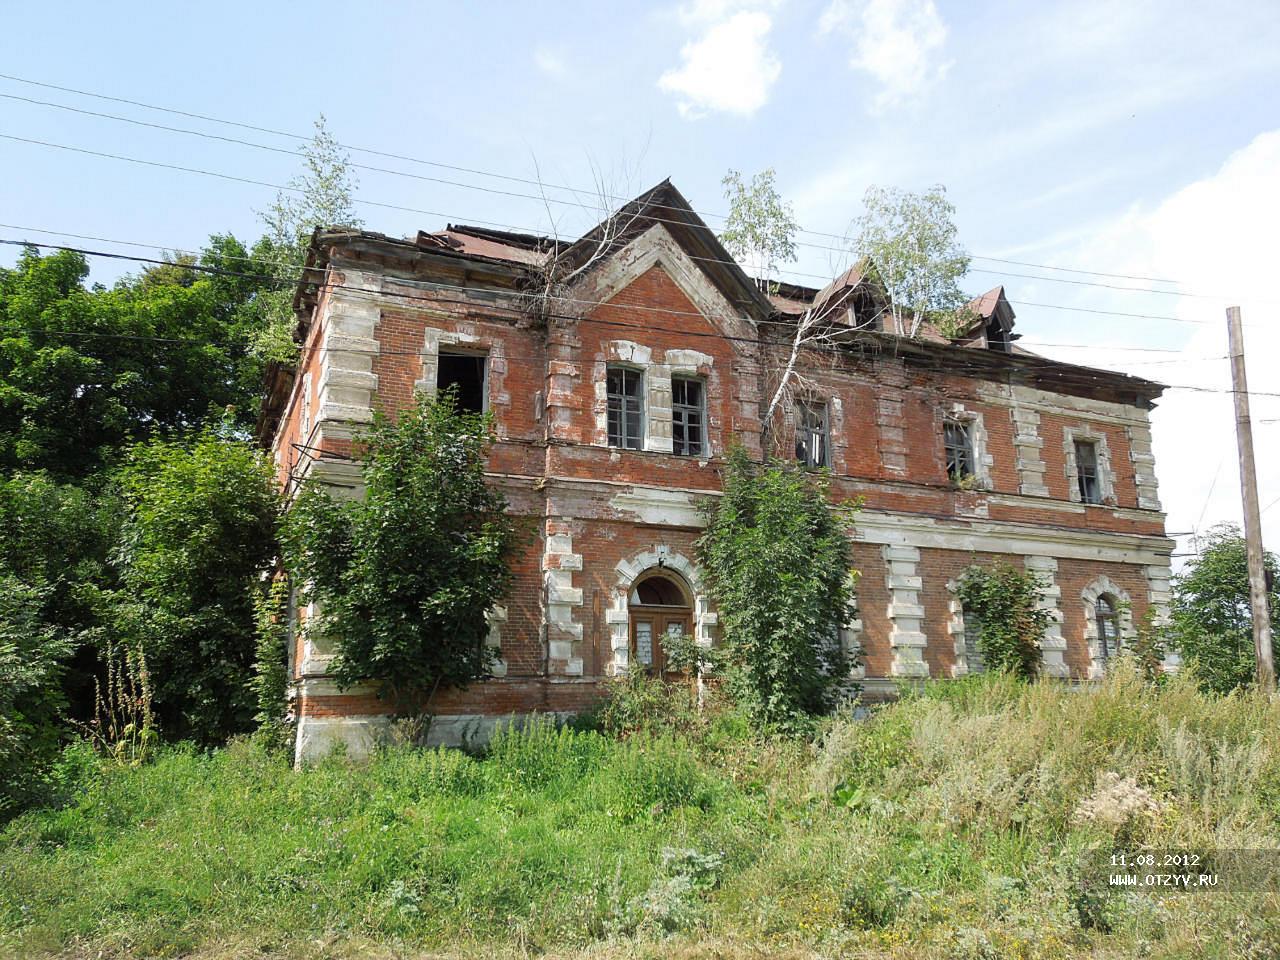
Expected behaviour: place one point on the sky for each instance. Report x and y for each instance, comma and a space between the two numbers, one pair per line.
1138, 139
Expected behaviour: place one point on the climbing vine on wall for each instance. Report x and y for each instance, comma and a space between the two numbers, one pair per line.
1005, 602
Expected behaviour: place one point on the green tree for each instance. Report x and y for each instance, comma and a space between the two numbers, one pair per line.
406, 575
761, 227
1005, 602
1212, 624
55, 576
760, 230
321, 196
56, 541
199, 538
778, 566
33, 655
84, 372
910, 240
60, 536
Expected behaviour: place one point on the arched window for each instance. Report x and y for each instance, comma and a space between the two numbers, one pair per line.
972, 631
1108, 618
658, 591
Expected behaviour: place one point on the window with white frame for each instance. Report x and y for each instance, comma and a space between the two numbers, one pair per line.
626, 408
1088, 480
812, 435
1090, 477
688, 417
957, 442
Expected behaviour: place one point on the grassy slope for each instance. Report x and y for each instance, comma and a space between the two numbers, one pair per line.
944, 827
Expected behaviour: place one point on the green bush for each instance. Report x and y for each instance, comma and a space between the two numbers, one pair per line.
636, 702
32, 655
778, 566
200, 534
406, 575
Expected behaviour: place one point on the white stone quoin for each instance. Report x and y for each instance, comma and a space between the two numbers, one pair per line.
1054, 644
564, 633
906, 614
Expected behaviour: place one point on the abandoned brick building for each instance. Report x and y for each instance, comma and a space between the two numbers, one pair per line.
613, 409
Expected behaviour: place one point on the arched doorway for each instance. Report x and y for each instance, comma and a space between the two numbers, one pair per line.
660, 604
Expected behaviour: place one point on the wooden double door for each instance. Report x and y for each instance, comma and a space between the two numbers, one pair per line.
648, 626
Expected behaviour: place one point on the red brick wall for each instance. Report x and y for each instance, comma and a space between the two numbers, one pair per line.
533, 460
1073, 577
1052, 431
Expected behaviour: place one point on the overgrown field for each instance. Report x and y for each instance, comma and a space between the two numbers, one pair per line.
946, 825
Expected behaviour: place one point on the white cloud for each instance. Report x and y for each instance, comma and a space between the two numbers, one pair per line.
549, 62
1215, 236
898, 42
730, 67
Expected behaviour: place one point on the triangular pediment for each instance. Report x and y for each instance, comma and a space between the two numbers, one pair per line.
657, 248
660, 227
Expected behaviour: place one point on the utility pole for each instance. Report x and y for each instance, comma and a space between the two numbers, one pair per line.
1252, 517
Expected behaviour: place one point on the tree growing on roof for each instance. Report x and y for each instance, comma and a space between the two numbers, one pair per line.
910, 238
321, 196
761, 227
760, 231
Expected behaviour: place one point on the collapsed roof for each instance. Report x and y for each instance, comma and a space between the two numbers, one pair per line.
983, 329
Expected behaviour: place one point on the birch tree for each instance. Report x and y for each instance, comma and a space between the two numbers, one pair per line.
761, 227
321, 196
760, 233
910, 239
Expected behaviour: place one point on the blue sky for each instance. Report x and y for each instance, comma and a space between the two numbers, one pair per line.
1135, 138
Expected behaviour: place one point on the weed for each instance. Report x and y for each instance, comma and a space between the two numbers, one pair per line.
945, 825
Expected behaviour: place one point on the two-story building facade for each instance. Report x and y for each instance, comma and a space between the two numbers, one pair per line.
615, 392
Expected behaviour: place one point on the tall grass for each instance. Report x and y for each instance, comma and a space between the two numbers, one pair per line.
945, 825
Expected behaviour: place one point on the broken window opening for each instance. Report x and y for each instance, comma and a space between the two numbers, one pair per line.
625, 415
1087, 471
1107, 613
811, 434
466, 373
687, 417
957, 437
998, 337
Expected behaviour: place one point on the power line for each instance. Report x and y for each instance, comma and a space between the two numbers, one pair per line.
298, 153
268, 278
237, 179
1209, 496
1022, 303
285, 133
958, 362
492, 174
1106, 286
526, 229
1092, 273
1083, 346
